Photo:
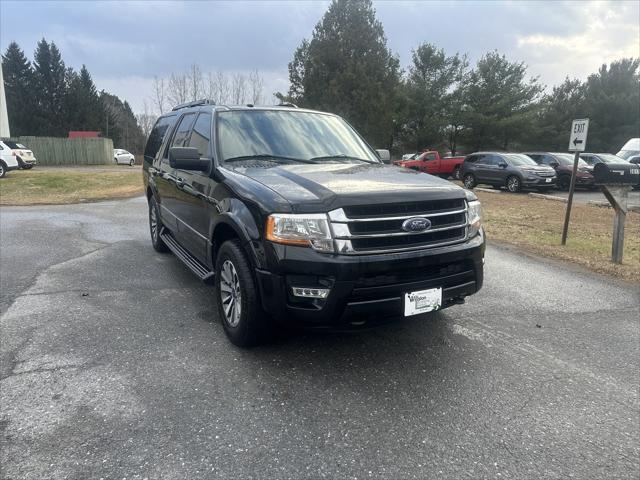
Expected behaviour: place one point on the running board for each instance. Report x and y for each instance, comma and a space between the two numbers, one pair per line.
189, 260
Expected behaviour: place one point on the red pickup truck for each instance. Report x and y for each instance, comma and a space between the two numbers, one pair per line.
431, 162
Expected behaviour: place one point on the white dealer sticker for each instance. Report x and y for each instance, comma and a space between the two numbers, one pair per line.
422, 301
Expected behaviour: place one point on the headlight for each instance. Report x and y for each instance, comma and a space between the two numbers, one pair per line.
474, 214
306, 230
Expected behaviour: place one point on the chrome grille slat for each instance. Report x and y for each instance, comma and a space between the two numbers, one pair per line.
388, 236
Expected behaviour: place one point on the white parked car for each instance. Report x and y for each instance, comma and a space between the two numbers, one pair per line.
8, 159
25, 157
122, 157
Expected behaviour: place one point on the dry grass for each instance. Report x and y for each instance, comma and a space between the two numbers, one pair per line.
68, 185
535, 225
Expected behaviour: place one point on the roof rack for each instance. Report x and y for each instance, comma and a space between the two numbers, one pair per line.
195, 103
287, 104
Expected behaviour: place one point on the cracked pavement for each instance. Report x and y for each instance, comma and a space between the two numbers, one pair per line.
114, 365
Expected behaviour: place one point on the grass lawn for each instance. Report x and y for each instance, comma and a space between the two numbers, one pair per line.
68, 185
535, 225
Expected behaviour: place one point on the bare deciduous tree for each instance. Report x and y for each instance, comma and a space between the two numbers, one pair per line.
146, 119
238, 88
159, 94
195, 82
218, 87
256, 85
178, 89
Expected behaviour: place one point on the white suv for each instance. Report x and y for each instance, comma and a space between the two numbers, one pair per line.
8, 159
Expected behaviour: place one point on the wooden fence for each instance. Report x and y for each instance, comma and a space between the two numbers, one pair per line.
69, 151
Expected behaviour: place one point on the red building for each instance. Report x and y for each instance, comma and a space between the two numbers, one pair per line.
83, 134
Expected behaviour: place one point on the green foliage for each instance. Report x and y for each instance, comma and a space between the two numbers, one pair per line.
18, 83
47, 98
430, 87
347, 68
501, 103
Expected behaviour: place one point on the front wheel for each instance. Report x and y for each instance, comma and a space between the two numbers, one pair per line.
239, 306
469, 181
28, 166
456, 173
513, 184
155, 227
3, 169
131, 162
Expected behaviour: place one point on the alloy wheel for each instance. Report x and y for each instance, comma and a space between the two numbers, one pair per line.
153, 222
230, 293
468, 181
1, 170
513, 184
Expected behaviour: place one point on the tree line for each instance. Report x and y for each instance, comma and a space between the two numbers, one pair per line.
440, 101
47, 98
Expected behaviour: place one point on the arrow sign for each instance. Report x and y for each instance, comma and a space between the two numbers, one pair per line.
578, 135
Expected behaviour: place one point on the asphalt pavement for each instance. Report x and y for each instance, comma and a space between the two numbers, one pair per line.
114, 365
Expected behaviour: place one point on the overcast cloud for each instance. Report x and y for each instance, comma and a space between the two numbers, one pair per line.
124, 44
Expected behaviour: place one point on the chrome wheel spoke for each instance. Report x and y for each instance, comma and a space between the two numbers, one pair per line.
230, 293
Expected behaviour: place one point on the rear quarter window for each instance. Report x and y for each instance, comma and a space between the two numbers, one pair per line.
157, 136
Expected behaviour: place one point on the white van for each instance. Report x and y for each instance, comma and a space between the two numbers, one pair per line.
630, 149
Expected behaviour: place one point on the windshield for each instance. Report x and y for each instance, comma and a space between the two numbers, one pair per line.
567, 159
627, 154
292, 136
519, 159
609, 158
13, 145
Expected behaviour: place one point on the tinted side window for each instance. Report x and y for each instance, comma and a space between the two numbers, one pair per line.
182, 132
429, 156
547, 160
472, 158
156, 136
536, 158
201, 134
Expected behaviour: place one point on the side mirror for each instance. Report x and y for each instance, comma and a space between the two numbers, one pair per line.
502, 165
187, 158
384, 155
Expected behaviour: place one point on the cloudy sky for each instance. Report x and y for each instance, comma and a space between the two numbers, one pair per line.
124, 44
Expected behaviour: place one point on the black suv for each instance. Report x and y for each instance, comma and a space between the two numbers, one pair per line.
512, 170
295, 219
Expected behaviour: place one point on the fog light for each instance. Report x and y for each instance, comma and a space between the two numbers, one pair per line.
310, 292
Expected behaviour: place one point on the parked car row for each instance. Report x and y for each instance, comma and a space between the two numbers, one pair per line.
14, 156
516, 171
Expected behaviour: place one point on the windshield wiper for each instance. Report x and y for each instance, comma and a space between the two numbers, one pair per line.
340, 156
270, 157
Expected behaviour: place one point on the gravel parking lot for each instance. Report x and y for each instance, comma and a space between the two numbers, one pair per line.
114, 365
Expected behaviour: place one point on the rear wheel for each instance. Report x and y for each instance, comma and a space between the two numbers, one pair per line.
28, 166
3, 169
239, 307
456, 173
564, 182
469, 181
131, 162
155, 227
514, 185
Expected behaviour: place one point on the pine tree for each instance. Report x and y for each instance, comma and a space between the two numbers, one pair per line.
18, 83
84, 110
50, 82
347, 68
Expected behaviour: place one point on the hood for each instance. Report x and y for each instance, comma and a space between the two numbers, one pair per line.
536, 168
324, 187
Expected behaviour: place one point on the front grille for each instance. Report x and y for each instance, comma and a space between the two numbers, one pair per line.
378, 228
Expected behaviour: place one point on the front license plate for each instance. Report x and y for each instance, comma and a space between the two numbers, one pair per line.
548, 180
422, 301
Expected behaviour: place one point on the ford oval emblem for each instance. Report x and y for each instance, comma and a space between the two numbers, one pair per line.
416, 224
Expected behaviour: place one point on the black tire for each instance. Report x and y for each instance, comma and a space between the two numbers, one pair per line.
564, 182
243, 319
115, 160
3, 169
469, 181
131, 163
28, 166
514, 184
155, 226
457, 173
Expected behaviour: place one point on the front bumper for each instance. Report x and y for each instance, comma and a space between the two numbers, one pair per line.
22, 163
539, 181
366, 289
